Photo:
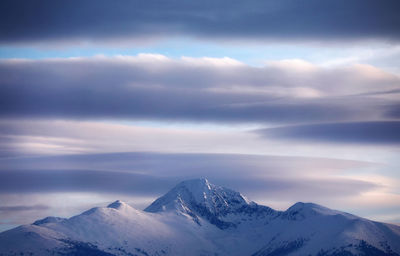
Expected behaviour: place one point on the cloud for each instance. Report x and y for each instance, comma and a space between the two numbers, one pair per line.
45, 20
18, 208
31, 181
57, 137
155, 87
393, 111
378, 132
38, 137
152, 174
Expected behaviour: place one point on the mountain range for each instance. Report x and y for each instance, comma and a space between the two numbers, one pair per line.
200, 218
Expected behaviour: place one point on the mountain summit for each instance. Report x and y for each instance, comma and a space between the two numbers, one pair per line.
199, 218
198, 198
118, 205
192, 194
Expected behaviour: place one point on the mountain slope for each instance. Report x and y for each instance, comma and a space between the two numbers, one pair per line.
199, 218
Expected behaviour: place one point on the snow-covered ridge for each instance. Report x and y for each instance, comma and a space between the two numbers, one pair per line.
302, 210
199, 218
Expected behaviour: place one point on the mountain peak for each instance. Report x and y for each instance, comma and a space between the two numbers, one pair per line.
198, 198
301, 206
190, 193
302, 210
200, 182
118, 205
197, 188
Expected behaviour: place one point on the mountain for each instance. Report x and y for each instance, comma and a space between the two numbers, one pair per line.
200, 199
199, 218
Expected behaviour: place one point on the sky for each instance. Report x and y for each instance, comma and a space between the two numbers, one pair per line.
282, 100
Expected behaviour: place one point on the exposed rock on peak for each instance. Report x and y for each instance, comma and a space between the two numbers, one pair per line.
118, 205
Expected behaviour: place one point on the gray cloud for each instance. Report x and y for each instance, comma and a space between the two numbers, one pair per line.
355, 132
13, 215
18, 208
23, 21
216, 90
393, 111
26, 181
395, 91
257, 176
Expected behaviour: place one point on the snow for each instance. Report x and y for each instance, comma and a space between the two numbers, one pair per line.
200, 218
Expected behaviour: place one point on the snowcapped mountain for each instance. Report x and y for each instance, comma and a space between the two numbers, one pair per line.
198, 199
199, 218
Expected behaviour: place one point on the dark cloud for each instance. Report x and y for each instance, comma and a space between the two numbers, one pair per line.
395, 91
155, 87
25, 181
26, 21
393, 111
18, 208
257, 176
355, 132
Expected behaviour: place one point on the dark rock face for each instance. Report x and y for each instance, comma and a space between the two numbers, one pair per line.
284, 249
360, 249
76, 248
48, 220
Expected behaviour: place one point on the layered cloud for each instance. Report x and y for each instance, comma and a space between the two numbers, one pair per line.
353, 132
151, 174
154, 87
23, 208
47, 20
